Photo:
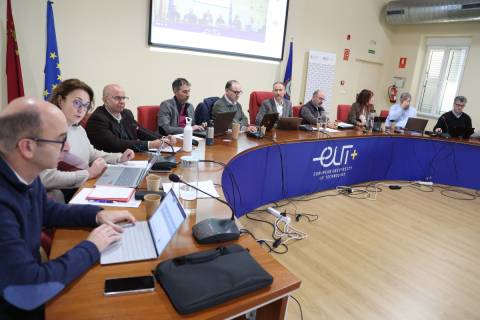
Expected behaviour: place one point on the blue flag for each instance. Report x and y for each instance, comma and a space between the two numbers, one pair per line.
52, 61
287, 80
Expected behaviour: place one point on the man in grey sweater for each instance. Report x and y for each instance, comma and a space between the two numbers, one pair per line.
229, 103
173, 112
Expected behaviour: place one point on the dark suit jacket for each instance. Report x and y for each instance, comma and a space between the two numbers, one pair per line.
104, 132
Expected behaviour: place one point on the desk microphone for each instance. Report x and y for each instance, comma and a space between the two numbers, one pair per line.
445, 121
213, 229
446, 134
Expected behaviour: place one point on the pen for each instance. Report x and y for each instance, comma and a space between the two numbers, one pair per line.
101, 201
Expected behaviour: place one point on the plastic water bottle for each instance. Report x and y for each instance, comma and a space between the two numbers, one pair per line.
187, 135
210, 133
188, 195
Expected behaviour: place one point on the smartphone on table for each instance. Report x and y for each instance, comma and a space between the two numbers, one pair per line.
130, 285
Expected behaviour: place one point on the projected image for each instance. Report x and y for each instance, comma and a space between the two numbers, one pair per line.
215, 25
244, 19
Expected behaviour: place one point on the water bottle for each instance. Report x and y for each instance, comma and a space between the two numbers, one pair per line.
187, 135
371, 119
189, 173
210, 133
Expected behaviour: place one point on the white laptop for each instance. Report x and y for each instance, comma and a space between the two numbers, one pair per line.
122, 176
146, 240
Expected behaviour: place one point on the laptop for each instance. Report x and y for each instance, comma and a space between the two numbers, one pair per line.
268, 122
464, 133
416, 125
146, 240
377, 123
289, 123
122, 176
222, 123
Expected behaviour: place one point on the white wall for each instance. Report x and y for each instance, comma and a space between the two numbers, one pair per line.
106, 41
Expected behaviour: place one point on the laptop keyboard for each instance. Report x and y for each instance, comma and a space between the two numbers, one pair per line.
136, 244
127, 177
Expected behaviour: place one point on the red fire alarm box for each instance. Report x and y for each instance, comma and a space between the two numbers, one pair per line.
346, 54
402, 63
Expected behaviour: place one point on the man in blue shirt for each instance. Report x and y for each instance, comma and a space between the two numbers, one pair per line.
400, 112
33, 134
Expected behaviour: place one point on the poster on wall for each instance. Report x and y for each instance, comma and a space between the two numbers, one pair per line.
320, 75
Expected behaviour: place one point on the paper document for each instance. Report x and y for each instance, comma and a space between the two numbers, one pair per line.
207, 186
121, 194
132, 163
167, 149
325, 130
81, 198
180, 136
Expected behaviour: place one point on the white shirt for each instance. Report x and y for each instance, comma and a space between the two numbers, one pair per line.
279, 106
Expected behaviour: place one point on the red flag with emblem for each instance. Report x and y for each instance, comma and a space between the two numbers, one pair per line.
13, 68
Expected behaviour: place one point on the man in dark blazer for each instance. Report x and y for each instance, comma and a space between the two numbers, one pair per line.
112, 128
278, 104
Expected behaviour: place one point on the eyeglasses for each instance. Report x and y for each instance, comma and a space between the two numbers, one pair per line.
239, 92
61, 142
78, 103
120, 98
461, 105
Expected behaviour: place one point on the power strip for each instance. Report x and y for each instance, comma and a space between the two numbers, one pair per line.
425, 183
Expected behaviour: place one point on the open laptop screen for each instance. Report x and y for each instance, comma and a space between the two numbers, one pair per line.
165, 221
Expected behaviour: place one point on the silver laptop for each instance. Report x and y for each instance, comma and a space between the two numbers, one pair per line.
146, 240
121, 176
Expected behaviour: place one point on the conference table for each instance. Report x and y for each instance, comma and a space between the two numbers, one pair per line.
259, 171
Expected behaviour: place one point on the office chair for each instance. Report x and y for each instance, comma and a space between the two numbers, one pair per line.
203, 111
256, 99
342, 112
147, 117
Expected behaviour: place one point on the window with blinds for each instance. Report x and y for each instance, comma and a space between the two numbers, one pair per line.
442, 74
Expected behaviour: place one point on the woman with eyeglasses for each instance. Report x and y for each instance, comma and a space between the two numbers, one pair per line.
81, 162
361, 108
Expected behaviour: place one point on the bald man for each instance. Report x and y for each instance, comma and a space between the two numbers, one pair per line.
311, 111
112, 127
33, 135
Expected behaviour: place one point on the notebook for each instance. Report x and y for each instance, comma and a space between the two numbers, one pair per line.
222, 123
288, 123
416, 124
124, 176
146, 240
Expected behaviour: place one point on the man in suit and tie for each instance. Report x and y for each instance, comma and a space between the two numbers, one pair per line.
112, 127
278, 104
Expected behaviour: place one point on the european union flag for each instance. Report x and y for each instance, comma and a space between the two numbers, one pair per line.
52, 61
287, 80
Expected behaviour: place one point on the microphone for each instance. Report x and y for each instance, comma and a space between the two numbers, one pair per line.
212, 230
445, 134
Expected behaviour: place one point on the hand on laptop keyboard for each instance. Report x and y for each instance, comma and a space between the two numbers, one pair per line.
96, 168
103, 236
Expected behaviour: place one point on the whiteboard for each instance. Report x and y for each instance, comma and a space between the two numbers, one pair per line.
321, 75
